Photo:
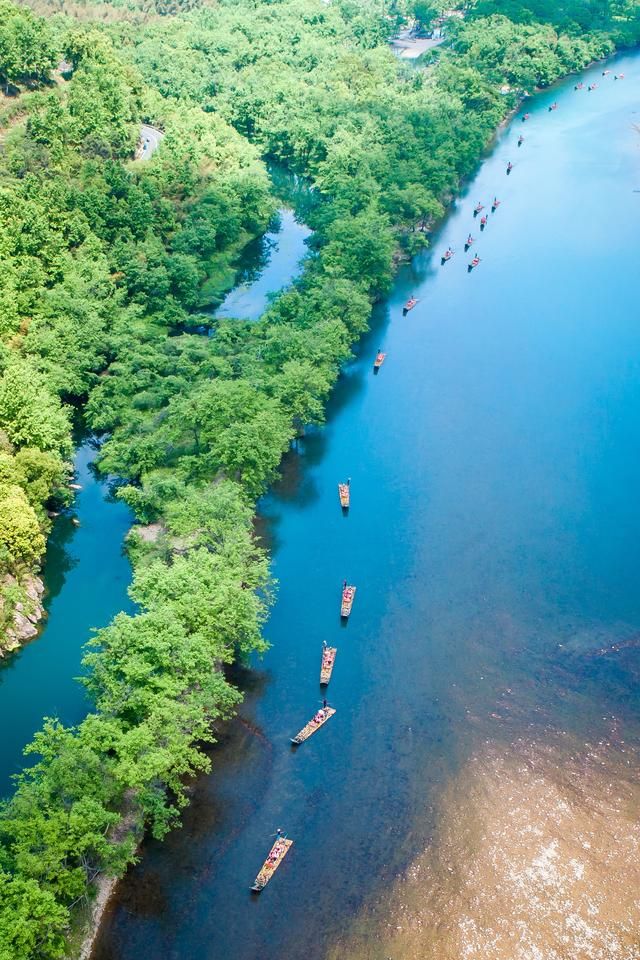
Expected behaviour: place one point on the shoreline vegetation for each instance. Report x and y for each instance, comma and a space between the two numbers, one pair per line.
104, 262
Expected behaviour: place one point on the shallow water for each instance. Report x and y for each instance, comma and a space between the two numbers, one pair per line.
486, 684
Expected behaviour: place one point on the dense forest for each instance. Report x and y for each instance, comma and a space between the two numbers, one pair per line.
106, 260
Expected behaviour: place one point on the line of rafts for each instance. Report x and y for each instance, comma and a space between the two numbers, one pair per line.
282, 844
594, 86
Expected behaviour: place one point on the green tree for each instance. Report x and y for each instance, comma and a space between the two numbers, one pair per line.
21, 542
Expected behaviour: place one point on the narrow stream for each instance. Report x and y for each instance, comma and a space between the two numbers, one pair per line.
486, 685
86, 575
269, 263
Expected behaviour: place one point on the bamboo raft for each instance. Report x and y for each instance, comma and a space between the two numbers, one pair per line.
344, 492
379, 360
321, 717
348, 594
276, 855
326, 667
410, 304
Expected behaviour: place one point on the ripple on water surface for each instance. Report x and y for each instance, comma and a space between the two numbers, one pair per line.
535, 858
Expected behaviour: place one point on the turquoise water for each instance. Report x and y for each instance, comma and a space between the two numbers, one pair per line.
86, 576
268, 264
494, 537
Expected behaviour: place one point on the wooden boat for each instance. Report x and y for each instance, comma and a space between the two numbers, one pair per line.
276, 855
344, 492
326, 666
379, 360
410, 304
348, 594
321, 717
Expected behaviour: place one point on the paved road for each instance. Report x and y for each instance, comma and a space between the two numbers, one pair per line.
149, 142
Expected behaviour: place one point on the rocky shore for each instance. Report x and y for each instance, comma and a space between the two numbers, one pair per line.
21, 610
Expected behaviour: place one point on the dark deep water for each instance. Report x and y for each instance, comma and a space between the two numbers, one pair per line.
494, 538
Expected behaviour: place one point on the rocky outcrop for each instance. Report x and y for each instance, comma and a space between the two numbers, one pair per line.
20, 610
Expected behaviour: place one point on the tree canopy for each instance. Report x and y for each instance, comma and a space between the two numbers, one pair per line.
106, 264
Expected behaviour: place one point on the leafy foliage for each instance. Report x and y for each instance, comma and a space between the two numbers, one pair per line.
104, 259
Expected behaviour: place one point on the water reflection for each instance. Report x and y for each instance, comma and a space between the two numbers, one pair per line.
267, 266
86, 576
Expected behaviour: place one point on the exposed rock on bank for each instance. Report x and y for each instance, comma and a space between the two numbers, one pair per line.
21, 610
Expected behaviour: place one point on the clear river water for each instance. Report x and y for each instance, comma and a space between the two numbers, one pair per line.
476, 794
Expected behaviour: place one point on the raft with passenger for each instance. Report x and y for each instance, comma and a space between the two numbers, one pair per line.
327, 664
474, 263
278, 852
344, 492
317, 721
446, 256
410, 304
348, 595
479, 207
379, 360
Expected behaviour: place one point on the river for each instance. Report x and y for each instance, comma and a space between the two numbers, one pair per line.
476, 793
